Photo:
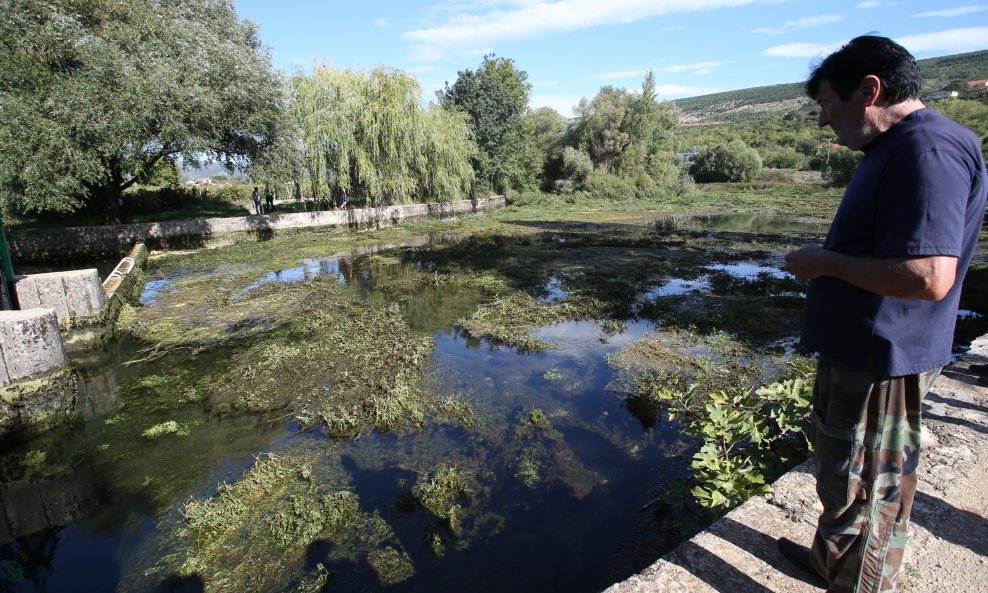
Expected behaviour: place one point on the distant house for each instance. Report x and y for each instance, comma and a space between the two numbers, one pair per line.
203, 181
939, 95
978, 85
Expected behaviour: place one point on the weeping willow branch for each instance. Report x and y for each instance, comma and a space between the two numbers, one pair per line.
364, 133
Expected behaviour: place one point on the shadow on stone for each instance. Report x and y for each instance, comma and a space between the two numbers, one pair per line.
717, 572
954, 402
950, 523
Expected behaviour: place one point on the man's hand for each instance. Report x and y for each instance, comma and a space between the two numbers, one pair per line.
807, 262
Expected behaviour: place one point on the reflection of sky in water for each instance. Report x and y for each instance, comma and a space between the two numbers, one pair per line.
310, 268
582, 336
679, 286
152, 288
554, 291
750, 270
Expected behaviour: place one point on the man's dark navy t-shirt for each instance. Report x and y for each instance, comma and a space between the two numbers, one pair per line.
919, 190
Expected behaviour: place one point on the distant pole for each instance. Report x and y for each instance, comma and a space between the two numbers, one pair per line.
8, 298
829, 142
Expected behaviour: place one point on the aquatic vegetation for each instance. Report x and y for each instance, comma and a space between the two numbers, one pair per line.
392, 566
160, 430
34, 459
251, 532
553, 375
527, 471
440, 493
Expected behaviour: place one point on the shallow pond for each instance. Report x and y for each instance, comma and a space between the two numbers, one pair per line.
545, 468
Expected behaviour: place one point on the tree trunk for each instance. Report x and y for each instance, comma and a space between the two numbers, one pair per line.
110, 200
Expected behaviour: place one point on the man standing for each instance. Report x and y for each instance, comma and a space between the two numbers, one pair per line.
881, 304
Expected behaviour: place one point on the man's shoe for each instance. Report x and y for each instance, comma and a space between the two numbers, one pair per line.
800, 558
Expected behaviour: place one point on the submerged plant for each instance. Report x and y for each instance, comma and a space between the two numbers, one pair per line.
253, 533
392, 566
169, 427
440, 492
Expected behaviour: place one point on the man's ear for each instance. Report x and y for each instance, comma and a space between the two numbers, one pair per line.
871, 89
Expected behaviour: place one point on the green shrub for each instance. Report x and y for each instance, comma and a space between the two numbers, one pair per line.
733, 161
782, 159
577, 165
838, 169
609, 187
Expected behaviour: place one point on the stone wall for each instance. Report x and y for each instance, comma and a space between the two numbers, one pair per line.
79, 243
36, 389
73, 313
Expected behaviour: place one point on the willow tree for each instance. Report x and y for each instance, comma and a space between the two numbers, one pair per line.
365, 133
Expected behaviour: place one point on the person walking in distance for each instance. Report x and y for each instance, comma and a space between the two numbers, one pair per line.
256, 196
881, 305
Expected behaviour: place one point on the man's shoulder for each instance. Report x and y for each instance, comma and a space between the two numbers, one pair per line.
929, 124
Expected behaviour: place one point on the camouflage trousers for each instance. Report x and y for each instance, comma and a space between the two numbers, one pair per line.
866, 433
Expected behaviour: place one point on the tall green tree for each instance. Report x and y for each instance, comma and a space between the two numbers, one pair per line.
495, 98
547, 130
625, 132
95, 93
365, 133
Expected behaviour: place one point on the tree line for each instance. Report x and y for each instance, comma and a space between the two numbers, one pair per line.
100, 96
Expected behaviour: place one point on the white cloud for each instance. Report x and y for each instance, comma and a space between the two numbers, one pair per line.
801, 50
475, 52
951, 12
529, 19
564, 104
698, 68
803, 23
869, 4
953, 40
382, 23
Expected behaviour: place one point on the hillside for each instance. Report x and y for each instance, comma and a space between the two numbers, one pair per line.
942, 72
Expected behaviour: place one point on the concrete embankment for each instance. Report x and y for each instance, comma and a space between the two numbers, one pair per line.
79, 243
62, 313
948, 547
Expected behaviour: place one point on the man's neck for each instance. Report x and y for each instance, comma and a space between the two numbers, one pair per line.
886, 116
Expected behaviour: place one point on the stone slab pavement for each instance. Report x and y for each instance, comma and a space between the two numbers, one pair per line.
948, 545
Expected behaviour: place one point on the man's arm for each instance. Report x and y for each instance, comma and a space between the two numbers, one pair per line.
918, 277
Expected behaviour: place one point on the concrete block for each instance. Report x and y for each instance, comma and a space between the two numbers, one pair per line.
77, 292
30, 344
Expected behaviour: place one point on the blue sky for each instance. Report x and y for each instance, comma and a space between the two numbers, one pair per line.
570, 48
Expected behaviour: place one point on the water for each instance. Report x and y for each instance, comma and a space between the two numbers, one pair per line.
100, 505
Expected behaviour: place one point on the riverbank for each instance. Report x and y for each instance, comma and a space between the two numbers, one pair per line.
947, 551
84, 243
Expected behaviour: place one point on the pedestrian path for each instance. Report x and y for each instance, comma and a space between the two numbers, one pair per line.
948, 548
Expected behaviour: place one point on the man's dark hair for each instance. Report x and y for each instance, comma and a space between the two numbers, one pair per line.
869, 54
